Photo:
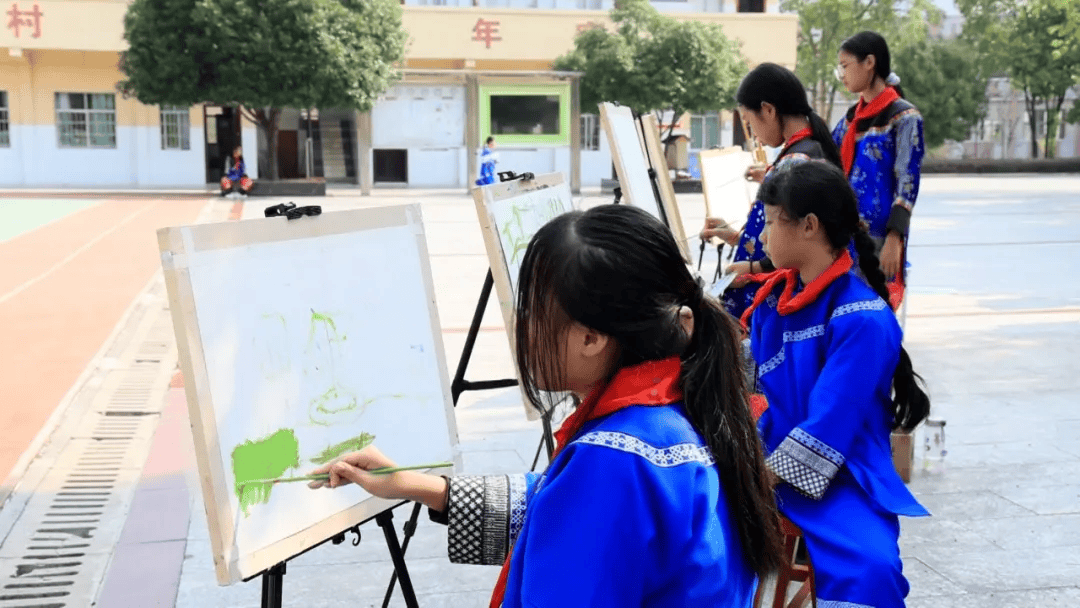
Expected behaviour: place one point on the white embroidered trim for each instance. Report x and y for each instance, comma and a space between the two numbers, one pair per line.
673, 456
518, 487
875, 304
836, 604
771, 300
771, 364
804, 334
817, 445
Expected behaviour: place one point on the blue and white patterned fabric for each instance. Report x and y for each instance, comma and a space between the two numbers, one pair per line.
885, 174
827, 372
630, 513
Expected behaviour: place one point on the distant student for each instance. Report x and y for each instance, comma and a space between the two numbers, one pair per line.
773, 101
657, 495
488, 158
829, 360
235, 179
881, 145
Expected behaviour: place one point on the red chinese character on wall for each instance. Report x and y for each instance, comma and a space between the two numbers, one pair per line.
589, 25
486, 31
25, 18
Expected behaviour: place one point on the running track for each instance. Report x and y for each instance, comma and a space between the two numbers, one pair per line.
64, 285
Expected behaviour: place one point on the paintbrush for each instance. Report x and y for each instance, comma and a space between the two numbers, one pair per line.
326, 476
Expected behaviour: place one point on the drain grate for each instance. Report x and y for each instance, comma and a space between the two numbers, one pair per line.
59, 545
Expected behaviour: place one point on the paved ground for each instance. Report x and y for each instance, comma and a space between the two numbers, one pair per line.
992, 325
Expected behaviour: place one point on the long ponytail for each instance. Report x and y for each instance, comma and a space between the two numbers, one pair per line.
911, 404
717, 404
823, 190
821, 133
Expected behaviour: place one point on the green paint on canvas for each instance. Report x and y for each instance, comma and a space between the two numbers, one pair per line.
330, 403
266, 458
359, 442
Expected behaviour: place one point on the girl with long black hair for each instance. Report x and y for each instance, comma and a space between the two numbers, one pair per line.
828, 358
773, 100
658, 494
881, 147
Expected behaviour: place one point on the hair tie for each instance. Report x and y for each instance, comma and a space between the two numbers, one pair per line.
892, 80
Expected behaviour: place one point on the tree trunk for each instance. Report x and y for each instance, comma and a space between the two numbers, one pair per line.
1029, 105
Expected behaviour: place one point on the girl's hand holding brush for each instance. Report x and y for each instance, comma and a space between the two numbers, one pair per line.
358, 467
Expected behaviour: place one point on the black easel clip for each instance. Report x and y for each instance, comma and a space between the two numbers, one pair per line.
340, 536
509, 176
291, 211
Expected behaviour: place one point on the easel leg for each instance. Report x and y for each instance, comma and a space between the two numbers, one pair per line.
457, 386
547, 440
271, 586
386, 522
409, 531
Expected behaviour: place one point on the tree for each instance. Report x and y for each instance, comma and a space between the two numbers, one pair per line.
988, 28
655, 63
1043, 60
824, 24
263, 55
944, 80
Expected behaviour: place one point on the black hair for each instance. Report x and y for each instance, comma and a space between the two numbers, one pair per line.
867, 43
779, 86
618, 270
489, 139
821, 189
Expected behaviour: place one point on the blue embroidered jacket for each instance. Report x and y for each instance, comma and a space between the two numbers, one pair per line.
827, 372
737, 299
630, 513
487, 167
888, 162
236, 171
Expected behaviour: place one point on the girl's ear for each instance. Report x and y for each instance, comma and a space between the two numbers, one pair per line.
812, 226
767, 110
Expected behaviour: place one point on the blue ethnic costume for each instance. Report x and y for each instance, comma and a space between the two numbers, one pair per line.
630, 512
487, 167
825, 355
883, 160
799, 148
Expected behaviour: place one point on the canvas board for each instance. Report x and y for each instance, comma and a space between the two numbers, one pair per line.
723, 180
654, 149
628, 155
300, 340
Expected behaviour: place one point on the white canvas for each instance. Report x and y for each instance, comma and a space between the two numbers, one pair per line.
307, 343
630, 161
727, 192
518, 218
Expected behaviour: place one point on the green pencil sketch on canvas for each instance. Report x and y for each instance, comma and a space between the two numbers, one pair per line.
336, 404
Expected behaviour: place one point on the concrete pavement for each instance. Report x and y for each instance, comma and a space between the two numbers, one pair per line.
992, 325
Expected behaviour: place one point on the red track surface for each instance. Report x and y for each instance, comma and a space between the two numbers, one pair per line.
63, 288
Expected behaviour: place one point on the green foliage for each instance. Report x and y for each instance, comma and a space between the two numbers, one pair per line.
943, 79
653, 62
988, 26
824, 24
1043, 59
262, 54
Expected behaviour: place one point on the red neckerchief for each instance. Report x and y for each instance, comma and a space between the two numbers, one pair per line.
794, 139
790, 277
863, 111
648, 383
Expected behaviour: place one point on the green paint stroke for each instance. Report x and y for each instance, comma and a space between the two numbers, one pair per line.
331, 403
357, 443
327, 321
266, 458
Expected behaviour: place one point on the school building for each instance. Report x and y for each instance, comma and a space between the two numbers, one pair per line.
473, 68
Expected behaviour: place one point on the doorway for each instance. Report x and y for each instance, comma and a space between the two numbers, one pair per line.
391, 166
222, 128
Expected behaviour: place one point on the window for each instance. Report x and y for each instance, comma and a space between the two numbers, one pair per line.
86, 120
590, 132
175, 128
704, 132
524, 114
5, 135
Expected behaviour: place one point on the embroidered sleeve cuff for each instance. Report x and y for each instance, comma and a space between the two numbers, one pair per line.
806, 463
899, 217
478, 514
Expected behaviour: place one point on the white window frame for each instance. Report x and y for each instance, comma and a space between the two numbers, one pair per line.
5, 121
175, 128
590, 132
90, 118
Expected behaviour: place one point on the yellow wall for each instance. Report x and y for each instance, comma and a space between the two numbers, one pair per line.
541, 36
33, 80
78, 25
